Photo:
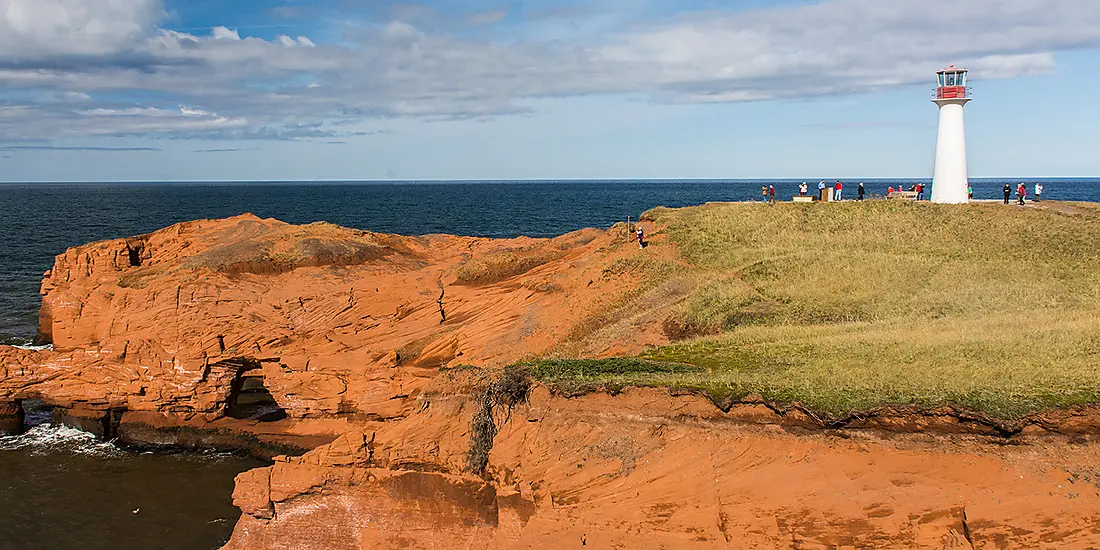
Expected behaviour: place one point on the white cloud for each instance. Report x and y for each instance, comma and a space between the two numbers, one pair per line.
291, 87
399, 30
843, 45
223, 33
74, 27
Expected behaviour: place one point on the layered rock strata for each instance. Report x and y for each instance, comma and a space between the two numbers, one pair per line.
644, 469
325, 347
334, 325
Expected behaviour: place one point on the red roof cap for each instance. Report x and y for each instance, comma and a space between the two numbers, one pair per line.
951, 69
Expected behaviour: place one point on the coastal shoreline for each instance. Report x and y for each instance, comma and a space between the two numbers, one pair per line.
371, 369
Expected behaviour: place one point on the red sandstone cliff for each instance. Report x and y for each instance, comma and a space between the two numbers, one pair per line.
648, 470
338, 323
159, 339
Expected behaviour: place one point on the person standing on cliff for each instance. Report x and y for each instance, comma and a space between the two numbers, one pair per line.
920, 191
764, 193
1008, 192
641, 237
839, 188
969, 192
771, 194
859, 190
803, 189
1021, 193
1038, 192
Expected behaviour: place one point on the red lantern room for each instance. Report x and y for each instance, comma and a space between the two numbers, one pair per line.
952, 84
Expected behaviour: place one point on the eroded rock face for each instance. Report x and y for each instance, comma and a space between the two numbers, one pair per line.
11, 417
337, 322
157, 337
645, 469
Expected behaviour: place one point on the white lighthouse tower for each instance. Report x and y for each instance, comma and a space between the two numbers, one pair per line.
949, 183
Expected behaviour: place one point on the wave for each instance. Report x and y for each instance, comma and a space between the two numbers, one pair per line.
22, 342
48, 438
31, 347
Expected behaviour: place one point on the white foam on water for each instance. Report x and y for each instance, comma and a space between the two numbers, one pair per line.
49, 438
29, 347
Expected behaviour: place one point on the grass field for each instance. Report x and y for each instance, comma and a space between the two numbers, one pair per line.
851, 306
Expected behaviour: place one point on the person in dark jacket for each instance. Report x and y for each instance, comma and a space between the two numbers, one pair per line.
859, 190
1008, 192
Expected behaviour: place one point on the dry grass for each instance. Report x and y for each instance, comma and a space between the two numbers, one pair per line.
493, 268
500, 265
851, 306
657, 284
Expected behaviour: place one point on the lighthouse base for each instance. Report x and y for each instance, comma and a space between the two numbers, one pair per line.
950, 181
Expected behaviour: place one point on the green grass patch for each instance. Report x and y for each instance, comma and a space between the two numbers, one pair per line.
847, 307
560, 369
583, 375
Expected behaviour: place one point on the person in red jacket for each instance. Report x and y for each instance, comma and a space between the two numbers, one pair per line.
1021, 193
920, 191
839, 188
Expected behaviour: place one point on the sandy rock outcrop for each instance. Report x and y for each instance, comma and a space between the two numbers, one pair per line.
333, 322
645, 469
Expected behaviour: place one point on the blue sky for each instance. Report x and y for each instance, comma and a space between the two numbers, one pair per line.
108, 90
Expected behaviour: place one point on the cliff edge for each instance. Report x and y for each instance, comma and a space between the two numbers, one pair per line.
375, 371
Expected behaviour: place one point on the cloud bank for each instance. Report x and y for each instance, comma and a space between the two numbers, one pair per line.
78, 68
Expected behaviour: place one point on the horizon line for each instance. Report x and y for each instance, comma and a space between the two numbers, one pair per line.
528, 180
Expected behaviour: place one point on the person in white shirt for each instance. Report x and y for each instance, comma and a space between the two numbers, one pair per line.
803, 189
1038, 191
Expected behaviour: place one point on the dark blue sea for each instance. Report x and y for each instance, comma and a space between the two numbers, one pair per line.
61, 489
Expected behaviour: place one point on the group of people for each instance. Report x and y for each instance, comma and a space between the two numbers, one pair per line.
767, 193
1021, 193
838, 190
917, 188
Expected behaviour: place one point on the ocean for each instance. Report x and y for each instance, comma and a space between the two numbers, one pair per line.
38, 221
61, 489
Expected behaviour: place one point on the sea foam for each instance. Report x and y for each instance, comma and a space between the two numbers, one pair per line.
30, 347
48, 438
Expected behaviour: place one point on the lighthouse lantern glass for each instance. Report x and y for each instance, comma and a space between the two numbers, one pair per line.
952, 78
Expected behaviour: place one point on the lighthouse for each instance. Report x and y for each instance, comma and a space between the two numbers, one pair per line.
949, 182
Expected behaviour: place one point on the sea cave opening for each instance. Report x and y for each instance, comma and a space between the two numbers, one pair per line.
251, 400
